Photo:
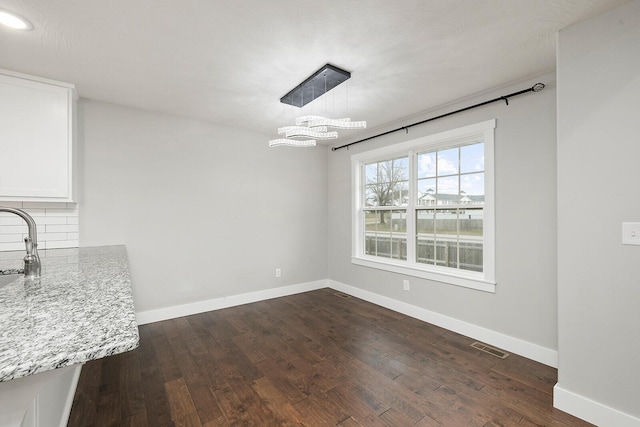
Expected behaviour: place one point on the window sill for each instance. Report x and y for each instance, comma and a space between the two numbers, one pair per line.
470, 280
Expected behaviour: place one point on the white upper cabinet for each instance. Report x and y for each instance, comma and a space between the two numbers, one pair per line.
36, 138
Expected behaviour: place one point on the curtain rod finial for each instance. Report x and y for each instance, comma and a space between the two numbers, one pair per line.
538, 87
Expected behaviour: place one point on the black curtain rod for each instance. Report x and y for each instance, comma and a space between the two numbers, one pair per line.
535, 88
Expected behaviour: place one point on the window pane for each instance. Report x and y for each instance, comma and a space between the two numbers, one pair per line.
471, 221
401, 180
371, 173
425, 243
472, 158
370, 222
386, 183
385, 171
383, 239
401, 194
379, 195
426, 192
370, 198
399, 221
426, 165
448, 162
446, 222
424, 221
472, 188
384, 194
393, 170
401, 168
384, 222
385, 234
399, 234
447, 238
377, 235
471, 239
447, 190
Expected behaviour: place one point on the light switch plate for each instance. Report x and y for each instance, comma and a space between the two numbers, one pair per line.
631, 233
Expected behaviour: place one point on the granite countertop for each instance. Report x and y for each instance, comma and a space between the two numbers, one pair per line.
80, 309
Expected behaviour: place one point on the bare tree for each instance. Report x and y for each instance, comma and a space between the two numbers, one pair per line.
384, 189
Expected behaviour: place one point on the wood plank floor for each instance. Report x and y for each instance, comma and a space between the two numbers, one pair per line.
312, 359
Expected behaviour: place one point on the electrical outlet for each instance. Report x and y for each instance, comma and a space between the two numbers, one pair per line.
631, 233
405, 285
278, 272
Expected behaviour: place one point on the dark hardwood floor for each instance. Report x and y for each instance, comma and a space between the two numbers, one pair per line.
312, 359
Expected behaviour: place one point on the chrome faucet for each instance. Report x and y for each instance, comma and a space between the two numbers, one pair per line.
32, 260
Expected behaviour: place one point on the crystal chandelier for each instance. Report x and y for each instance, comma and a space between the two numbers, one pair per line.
310, 128
315, 127
319, 121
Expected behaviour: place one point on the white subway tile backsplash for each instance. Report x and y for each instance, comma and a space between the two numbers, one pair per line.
12, 220
44, 205
17, 205
59, 244
47, 237
57, 223
12, 246
11, 238
35, 211
62, 228
50, 220
68, 212
14, 229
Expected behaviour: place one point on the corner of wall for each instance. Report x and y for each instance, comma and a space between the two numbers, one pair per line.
529, 350
590, 410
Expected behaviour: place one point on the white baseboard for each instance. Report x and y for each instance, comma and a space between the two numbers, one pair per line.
590, 410
532, 351
529, 350
159, 314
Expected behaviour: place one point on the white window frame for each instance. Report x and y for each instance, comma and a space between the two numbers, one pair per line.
485, 280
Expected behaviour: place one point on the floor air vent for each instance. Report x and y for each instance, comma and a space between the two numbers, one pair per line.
341, 295
491, 350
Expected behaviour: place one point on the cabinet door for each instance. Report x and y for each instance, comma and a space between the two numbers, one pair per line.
36, 130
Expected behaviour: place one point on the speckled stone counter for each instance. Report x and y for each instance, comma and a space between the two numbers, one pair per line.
80, 309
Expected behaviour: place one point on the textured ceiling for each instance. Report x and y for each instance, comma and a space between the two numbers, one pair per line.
229, 62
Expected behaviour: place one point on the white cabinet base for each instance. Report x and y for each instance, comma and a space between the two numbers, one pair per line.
40, 400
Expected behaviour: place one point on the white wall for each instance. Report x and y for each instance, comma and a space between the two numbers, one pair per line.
205, 211
524, 305
598, 277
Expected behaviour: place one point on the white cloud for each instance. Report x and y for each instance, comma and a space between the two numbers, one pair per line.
426, 164
445, 167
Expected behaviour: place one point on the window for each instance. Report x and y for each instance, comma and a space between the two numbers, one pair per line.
386, 190
425, 207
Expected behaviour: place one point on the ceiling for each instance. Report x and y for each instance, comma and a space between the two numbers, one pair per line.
230, 62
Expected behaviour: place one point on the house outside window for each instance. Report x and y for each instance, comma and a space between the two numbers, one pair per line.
425, 207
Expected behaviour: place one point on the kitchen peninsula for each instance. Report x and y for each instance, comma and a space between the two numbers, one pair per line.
80, 309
